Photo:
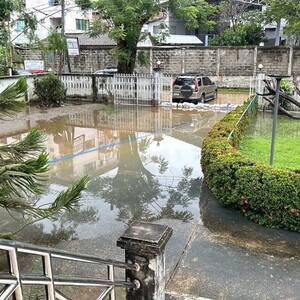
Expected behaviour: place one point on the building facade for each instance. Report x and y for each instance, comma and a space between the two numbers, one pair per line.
48, 15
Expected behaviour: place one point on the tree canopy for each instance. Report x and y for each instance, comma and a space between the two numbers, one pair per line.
123, 21
7, 9
288, 10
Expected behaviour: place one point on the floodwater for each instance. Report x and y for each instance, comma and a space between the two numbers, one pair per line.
144, 164
233, 98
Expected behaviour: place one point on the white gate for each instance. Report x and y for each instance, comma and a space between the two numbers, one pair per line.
142, 89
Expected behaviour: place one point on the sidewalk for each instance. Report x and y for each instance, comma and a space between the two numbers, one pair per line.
232, 258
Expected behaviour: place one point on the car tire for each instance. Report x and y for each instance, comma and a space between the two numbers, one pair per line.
202, 98
215, 95
195, 101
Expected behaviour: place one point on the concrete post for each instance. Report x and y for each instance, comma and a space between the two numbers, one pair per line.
144, 245
95, 88
218, 63
183, 61
290, 65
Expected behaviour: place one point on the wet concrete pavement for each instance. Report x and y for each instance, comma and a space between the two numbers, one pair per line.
229, 257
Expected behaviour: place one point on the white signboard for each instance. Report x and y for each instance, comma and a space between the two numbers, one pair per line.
34, 65
73, 46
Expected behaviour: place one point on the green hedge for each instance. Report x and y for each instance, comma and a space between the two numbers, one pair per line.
269, 196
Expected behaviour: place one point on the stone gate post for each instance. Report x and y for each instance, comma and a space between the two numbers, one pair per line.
144, 245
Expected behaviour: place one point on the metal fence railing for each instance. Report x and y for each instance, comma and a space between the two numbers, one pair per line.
13, 282
249, 109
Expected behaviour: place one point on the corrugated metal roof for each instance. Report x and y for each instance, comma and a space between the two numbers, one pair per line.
85, 40
104, 40
174, 39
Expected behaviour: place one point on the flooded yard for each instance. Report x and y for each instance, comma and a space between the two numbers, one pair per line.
144, 164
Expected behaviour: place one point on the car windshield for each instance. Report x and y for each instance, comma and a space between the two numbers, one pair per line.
184, 81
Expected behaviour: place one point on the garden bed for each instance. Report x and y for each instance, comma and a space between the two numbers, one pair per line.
269, 196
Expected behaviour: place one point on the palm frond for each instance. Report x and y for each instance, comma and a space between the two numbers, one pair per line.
66, 200
29, 147
25, 178
9, 104
69, 198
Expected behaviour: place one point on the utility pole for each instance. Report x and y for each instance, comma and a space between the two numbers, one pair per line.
277, 37
65, 52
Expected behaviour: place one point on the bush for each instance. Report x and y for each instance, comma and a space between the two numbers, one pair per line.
247, 34
50, 90
268, 196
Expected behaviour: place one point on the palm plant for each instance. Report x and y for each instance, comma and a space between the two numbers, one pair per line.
24, 167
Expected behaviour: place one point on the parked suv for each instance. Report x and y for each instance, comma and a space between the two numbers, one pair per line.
193, 88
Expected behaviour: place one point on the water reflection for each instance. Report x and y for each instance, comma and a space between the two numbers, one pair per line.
144, 163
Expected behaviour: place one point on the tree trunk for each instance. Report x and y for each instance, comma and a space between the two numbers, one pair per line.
127, 67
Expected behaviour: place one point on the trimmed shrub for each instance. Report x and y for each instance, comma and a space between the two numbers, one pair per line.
266, 195
50, 90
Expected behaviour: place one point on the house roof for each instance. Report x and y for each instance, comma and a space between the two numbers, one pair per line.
104, 40
85, 40
174, 39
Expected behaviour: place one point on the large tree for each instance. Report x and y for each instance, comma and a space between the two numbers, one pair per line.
124, 19
12, 11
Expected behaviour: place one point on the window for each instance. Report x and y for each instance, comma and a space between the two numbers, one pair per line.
184, 81
173, 29
206, 81
53, 2
20, 25
199, 82
82, 24
156, 29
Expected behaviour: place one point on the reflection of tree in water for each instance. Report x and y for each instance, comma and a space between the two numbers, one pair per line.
62, 230
63, 135
181, 195
134, 190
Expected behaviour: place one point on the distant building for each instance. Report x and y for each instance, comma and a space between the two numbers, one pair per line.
165, 23
48, 15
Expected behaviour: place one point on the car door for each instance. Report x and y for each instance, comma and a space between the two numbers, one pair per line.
200, 86
209, 87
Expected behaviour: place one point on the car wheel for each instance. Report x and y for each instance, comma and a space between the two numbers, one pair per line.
216, 95
202, 98
196, 101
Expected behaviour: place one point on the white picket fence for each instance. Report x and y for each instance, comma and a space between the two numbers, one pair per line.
127, 89
142, 89
78, 85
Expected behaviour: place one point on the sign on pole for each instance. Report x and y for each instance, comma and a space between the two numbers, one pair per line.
73, 46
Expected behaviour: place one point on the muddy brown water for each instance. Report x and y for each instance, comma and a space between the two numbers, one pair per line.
144, 164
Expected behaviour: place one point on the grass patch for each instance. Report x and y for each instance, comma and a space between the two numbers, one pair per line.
233, 90
257, 142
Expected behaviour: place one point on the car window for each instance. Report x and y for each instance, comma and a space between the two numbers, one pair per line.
206, 81
184, 81
199, 81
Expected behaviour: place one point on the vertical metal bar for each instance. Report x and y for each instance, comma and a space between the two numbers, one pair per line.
14, 267
274, 127
49, 273
111, 277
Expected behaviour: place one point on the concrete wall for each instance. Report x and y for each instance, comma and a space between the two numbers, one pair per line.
229, 66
